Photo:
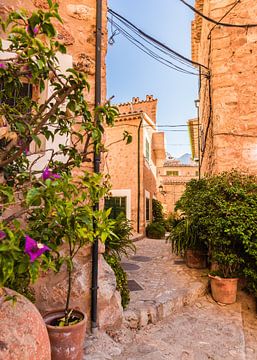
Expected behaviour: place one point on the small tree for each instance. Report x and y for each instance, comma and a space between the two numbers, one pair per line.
45, 198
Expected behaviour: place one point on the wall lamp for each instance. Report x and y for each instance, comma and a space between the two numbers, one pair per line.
161, 190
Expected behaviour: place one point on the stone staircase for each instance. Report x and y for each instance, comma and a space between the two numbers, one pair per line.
164, 285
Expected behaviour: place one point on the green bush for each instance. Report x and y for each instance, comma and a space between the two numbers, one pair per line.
155, 230
169, 222
184, 236
157, 209
121, 278
116, 246
119, 243
223, 210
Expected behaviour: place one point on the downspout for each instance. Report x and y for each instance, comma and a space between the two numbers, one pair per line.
97, 160
138, 173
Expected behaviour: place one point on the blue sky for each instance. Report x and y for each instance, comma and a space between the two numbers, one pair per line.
130, 72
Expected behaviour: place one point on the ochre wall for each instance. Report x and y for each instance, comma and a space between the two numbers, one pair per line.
174, 186
121, 161
230, 53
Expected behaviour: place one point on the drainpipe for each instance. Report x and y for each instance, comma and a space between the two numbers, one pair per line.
97, 160
138, 173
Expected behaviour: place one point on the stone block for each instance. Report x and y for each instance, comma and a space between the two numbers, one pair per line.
79, 11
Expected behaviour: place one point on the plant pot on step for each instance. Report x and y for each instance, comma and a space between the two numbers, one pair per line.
66, 341
224, 290
196, 259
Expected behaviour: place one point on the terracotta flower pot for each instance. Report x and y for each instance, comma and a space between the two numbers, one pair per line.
196, 259
224, 290
66, 341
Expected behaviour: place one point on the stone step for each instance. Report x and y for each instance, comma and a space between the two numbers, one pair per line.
167, 303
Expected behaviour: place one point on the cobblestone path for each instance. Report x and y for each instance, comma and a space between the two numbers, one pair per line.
186, 323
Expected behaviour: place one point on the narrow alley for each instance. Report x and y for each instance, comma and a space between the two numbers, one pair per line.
172, 315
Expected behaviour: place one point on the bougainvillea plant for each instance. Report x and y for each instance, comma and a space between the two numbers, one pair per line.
31, 182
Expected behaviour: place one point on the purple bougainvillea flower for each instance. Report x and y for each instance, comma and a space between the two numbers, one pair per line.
55, 176
33, 248
2, 66
2, 235
48, 174
36, 30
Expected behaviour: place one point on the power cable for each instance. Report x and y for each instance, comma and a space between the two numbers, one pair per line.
152, 39
146, 50
217, 22
166, 52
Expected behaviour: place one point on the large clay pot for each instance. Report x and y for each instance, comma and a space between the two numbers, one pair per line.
23, 333
196, 259
223, 290
67, 341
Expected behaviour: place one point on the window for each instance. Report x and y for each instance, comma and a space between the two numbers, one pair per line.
147, 150
197, 173
147, 209
172, 173
118, 205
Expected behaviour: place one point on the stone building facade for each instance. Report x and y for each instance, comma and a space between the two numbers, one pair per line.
78, 34
228, 96
173, 177
132, 167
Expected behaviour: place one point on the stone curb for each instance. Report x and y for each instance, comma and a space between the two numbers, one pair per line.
166, 304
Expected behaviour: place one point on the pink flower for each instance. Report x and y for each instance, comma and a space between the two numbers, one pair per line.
2, 235
36, 30
2, 65
48, 174
34, 249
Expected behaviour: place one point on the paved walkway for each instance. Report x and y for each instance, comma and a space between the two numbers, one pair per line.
173, 318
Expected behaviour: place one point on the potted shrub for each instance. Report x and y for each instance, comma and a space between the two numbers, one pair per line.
186, 242
224, 280
65, 220
222, 207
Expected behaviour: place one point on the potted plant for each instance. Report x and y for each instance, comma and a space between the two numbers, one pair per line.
185, 241
224, 279
65, 220
222, 208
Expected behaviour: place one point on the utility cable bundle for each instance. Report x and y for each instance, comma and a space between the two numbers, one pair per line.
152, 46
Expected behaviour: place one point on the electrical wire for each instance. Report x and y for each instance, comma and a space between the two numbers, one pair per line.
153, 40
148, 51
165, 51
217, 22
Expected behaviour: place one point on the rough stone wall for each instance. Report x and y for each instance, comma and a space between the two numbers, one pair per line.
51, 291
230, 126
77, 32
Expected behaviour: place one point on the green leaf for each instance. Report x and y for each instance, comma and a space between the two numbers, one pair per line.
36, 139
